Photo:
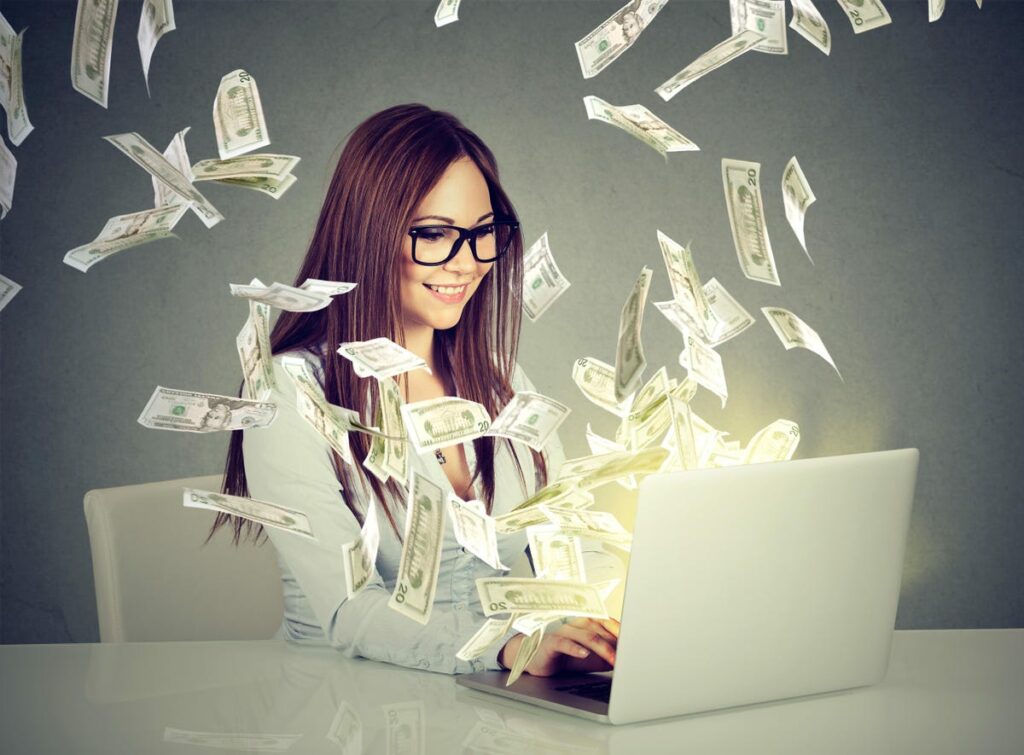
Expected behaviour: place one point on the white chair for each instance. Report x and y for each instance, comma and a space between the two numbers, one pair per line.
157, 581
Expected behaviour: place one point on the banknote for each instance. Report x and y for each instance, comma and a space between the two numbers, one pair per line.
646, 461
416, 582
241, 741
629, 353
194, 412
865, 15
682, 433
716, 57
793, 332
499, 595
766, 17
597, 382
656, 387
327, 288
261, 165
588, 524
124, 232
531, 418
555, 554
7, 39
447, 12
644, 427
145, 155
346, 730
733, 318
686, 285
564, 492
527, 649
272, 187
8, 171
156, 20
601, 445
774, 442
253, 344
475, 530
704, 364
282, 296
616, 34
238, 115
360, 555
8, 290
12, 84
638, 121
380, 358
742, 183
797, 197
306, 383
528, 623
389, 456
441, 422
811, 25
91, 47
490, 632
261, 512
406, 728
177, 155
581, 466
543, 282
518, 520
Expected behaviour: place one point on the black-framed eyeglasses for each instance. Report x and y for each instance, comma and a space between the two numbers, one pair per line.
436, 244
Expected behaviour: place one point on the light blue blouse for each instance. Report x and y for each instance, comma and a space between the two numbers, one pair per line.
289, 464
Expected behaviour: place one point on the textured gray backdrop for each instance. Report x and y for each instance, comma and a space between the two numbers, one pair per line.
909, 136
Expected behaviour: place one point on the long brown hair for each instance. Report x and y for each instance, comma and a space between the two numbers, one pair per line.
389, 163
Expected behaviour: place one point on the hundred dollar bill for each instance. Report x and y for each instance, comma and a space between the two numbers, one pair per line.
793, 332
809, 24
742, 183
261, 512
716, 57
447, 13
146, 156
406, 730
766, 17
156, 20
177, 156
865, 15
441, 422
124, 232
597, 382
491, 631
644, 462
529, 417
194, 412
543, 282
8, 171
555, 554
705, 365
499, 595
380, 358
328, 288
797, 197
238, 115
262, 165
638, 121
421, 550
389, 456
288, 298
253, 344
235, 741
686, 285
90, 48
360, 555
475, 530
346, 730
615, 35
592, 525
774, 442
8, 290
629, 353
272, 187
12, 85
527, 649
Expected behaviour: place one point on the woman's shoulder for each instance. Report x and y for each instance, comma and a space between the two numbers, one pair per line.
312, 354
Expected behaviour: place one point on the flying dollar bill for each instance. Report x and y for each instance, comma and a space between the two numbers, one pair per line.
253, 344
12, 85
629, 353
8, 171
591, 525
732, 318
529, 417
475, 530
282, 296
742, 183
716, 57
388, 455
543, 282
261, 165
555, 554
794, 332
601, 445
124, 232
774, 442
380, 358
767, 17
638, 121
177, 155
8, 290
441, 422
596, 380
272, 187
327, 288
527, 649
643, 462
809, 24
705, 365
360, 555
529, 513
157, 19
90, 48
261, 512
238, 115
447, 13
416, 582
865, 15
500, 595
686, 286
491, 631
194, 412
616, 34
682, 434
796, 197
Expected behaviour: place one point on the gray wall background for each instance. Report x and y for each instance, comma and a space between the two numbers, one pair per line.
909, 136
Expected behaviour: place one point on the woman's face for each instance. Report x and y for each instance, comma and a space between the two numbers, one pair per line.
460, 198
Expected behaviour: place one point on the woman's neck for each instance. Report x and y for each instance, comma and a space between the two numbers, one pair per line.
419, 339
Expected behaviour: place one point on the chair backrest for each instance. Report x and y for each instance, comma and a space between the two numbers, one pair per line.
157, 581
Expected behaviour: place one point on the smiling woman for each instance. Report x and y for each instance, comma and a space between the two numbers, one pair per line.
416, 217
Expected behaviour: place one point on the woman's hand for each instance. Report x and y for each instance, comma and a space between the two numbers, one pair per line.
579, 646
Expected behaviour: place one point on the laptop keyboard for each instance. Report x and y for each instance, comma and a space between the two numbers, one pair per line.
598, 690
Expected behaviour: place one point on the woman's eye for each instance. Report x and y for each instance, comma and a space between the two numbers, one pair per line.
430, 235
485, 230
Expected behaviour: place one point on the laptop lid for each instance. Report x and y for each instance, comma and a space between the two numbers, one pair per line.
760, 582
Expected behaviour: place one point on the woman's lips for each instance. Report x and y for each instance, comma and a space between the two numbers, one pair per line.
449, 298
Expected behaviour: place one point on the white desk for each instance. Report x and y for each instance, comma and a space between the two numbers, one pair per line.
953, 691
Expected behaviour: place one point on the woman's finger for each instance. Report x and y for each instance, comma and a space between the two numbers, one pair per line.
592, 640
609, 631
566, 645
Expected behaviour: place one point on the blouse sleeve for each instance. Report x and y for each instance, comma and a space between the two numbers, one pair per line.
288, 463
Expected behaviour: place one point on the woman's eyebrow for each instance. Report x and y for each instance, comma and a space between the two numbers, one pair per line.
449, 221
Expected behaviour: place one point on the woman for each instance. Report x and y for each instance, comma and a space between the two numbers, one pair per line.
414, 215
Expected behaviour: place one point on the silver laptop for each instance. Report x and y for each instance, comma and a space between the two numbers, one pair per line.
748, 584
